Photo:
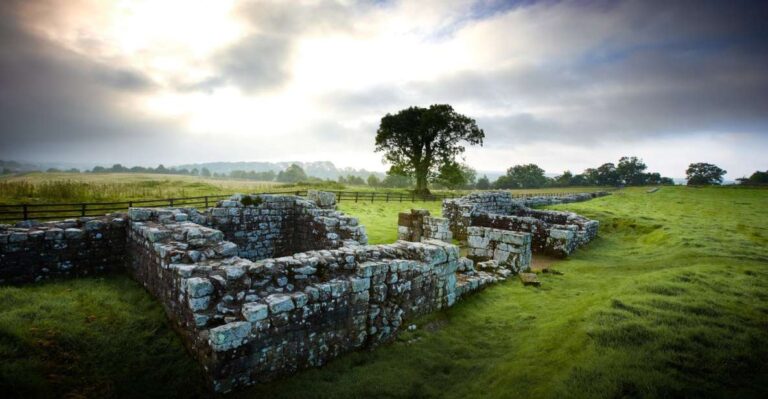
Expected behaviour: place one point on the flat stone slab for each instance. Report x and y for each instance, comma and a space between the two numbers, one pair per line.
530, 279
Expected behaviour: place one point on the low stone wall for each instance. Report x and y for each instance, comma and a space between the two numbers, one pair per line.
252, 321
510, 250
458, 211
33, 251
418, 225
278, 225
247, 310
552, 232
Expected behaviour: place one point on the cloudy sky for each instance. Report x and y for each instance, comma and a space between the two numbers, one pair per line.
566, 85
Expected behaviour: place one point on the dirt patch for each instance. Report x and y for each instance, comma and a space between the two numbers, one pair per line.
540, 263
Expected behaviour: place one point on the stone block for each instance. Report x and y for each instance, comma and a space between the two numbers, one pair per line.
199, 287
279, 303
255, 311
73, 234
229, 336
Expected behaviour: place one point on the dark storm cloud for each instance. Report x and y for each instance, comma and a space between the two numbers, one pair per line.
55, 104
661, 69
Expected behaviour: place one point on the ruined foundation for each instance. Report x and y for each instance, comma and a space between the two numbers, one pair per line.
261, 286
553, 233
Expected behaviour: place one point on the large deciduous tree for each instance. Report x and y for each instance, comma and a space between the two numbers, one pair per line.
419, 141
704, 174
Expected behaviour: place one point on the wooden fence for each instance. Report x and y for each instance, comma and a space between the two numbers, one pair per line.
18, 212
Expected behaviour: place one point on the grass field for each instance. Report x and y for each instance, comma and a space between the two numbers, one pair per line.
670, 301
94, 187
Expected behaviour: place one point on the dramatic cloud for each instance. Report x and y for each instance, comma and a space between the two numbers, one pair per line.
563, 84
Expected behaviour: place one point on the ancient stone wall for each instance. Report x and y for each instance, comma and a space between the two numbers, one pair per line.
253, 321
278, 225
418, 225
258, 286
322, 199
33, 251
552, 232
510, 249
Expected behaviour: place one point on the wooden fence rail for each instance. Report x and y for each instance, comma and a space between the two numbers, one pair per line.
16, 212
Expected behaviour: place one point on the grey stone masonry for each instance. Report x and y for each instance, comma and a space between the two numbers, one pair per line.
280, 225
552, 232
510, 250
323, 199
251, 320
419, 225
31, 251
259, 286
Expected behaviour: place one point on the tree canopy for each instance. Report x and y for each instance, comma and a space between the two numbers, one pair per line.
630, 171
756, 179
483, 183
522, 176
419, 141
454, 175
292, 174
704, 174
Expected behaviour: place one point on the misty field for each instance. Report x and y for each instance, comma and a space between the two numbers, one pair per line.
94, 187
670, 301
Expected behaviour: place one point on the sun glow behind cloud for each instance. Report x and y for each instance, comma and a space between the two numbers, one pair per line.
562, 83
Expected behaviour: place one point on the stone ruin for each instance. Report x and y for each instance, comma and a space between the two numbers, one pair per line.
489, 214
261, 286
258, 286
417, 225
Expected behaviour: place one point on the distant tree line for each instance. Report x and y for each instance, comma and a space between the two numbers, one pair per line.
756, 179
629, 171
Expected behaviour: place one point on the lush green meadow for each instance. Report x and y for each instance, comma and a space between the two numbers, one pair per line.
107, 187
670, 301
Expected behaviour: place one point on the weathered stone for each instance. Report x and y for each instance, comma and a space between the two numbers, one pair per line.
73, 234
360, 284
229, 336
255, 311
198, 287
279, 303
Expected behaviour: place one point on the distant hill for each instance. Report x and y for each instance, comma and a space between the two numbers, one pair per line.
321, 169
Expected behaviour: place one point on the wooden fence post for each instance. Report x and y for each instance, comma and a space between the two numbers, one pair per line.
206, 201
26, 212
357, 194
82, 210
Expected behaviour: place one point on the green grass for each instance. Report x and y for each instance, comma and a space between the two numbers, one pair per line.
380, 218
93, 337
670, 301
37, 187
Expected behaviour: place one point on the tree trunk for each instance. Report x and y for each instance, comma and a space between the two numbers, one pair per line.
421, 182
